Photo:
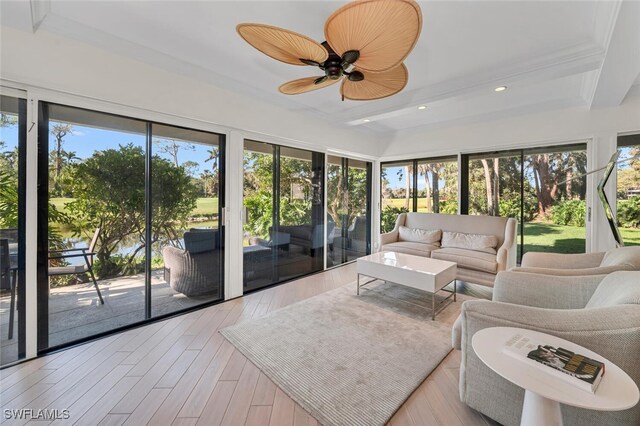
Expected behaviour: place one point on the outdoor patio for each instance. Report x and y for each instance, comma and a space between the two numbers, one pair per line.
75, 311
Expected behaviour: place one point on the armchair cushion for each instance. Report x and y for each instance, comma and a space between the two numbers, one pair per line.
426, 236
469, 259
619, 288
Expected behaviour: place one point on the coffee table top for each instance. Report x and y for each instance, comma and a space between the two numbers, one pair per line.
424, 265
617, 391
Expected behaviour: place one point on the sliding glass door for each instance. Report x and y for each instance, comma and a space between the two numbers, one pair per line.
428, 185
186, 232
119, 200
628, 189
543, 188
397, 183
348, 209
284, 213
13, 119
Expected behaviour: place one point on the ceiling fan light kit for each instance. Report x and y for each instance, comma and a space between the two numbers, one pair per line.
366, 44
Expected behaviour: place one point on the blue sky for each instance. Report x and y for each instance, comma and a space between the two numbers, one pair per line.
86, 140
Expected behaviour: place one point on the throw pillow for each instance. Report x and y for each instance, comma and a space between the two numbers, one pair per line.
427, 236
476, 242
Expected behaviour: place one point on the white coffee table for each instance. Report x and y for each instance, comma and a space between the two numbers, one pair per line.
544, 392
422, 273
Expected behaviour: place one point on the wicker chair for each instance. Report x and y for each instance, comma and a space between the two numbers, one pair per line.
194, 271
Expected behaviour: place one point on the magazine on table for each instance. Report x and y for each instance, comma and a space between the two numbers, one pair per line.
579, 370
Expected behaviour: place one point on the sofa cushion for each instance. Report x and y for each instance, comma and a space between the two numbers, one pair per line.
476, 242
617, 288
304, 232
428, 236
469, 259
201, 240
410, 247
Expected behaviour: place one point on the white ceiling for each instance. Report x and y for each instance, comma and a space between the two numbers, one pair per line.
549, 54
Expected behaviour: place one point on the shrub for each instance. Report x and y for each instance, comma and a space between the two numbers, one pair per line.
388, 217
448, 206
629, 212
569, 212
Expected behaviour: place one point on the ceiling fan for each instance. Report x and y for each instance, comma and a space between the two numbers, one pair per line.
366, 42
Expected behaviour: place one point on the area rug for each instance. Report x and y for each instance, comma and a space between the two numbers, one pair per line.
347, 359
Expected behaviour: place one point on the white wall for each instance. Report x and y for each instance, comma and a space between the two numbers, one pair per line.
46, 60
600, 127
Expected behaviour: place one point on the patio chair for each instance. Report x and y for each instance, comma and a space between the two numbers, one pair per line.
85, 252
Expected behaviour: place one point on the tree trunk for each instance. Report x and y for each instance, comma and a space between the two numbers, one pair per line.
488, 186
496, 187
407, 187
435, 191
427, 190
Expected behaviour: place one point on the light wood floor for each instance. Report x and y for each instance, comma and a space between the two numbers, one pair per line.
182, 372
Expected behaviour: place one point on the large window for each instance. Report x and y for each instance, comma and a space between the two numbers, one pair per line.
284, 213
12, 226
131, 222
628, 189
543, 188
426, 185
348, 209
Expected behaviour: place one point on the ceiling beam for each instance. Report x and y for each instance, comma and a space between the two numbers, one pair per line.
39, 11
621, 65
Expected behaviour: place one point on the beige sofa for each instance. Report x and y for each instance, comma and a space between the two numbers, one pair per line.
482, 246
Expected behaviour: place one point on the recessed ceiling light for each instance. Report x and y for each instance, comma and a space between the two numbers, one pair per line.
500, 88
366, 120
422, 107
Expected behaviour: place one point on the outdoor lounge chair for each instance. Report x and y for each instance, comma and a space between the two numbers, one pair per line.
85, 252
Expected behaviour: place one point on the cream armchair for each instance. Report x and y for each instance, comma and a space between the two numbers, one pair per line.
617, 259
601, 313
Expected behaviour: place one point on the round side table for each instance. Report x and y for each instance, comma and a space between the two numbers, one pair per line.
544, 392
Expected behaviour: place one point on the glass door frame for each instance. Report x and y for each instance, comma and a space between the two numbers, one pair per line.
43, 221
466, 158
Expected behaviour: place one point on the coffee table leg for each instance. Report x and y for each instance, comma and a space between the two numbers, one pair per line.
538, 410
433, 306
455, 283
358, 291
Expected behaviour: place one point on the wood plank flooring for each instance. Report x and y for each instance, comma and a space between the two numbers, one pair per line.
182, 372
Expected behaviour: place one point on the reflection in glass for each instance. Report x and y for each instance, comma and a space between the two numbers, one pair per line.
348, 212
284, 223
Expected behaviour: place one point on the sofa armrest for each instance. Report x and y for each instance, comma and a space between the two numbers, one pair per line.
545, 291
560, 272
561, 260
508, 251
389, 237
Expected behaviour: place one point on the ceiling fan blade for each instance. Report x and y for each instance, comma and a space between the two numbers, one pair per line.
383, 31
376, 85
304, 85
283, 45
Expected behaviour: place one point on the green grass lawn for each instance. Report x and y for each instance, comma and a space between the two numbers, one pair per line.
203, 205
